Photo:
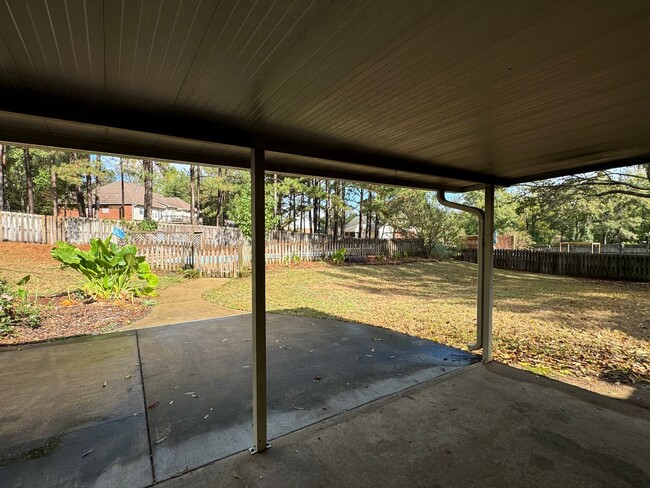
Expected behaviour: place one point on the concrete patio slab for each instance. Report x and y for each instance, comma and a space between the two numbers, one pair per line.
138, 407
200, 374
61, 426
481, 426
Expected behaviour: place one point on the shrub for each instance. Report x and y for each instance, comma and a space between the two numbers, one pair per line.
147, 225
339, 256
15, 309
109, 270
439, 251
191, 273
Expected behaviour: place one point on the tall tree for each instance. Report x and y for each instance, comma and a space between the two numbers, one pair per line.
360, 211
53, 186
192, 194
147, 166
29, 179
123, 207
3, 162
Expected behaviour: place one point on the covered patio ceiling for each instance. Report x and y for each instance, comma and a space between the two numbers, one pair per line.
451, 95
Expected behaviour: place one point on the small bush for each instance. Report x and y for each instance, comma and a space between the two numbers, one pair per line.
439, 252
339, 256
191, 273
109, 270
147, 225
15, 309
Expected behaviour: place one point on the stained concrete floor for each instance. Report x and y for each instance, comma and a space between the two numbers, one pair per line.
138, 407
481, 426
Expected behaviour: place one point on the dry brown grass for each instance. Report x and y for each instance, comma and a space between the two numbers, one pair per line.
551, 325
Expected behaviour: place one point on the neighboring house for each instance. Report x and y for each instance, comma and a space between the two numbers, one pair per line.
352, 229
163, 209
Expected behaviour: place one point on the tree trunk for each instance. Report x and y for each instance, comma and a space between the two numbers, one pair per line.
122, 209
198, 194
278, 204
55, 194
360, 212
293, 210
342, 216
328, 208
81, 204
219, 199
192, 195
369, 216
89, 195
27, 160
302, 212
316, 227
147, 165
3, 152
275, 195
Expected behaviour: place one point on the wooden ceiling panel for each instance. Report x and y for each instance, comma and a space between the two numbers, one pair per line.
447, 93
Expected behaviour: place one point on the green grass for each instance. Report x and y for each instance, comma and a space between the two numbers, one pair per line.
547, 324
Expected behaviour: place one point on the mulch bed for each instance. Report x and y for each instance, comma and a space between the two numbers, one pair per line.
65, 317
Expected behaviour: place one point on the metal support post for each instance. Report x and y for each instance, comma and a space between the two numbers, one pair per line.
259, 300
442, 199
488, 273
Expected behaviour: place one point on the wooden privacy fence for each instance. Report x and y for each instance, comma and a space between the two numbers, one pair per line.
175, 252
46, 229
285, 246
213, 251
625, 267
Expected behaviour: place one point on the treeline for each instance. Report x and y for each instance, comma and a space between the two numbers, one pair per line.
607, 207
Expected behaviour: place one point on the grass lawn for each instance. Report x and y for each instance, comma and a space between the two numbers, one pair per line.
551, 325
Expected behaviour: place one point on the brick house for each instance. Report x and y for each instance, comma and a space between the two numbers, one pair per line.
164, 209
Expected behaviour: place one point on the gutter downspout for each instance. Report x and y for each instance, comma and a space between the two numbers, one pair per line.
442, 199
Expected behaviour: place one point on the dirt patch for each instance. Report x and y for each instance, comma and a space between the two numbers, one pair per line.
64, 317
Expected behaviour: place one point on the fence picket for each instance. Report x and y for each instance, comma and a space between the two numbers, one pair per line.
624, 267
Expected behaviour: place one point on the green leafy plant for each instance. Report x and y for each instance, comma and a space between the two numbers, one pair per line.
147, 225
191, 273
15, 309
339, 256
109, 270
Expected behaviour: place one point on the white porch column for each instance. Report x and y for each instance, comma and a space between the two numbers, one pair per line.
259, 300
487, 262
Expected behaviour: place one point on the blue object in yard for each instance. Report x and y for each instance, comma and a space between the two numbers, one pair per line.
119, 233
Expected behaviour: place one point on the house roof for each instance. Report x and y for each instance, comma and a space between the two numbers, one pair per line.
426, 94
111, 194
353, 225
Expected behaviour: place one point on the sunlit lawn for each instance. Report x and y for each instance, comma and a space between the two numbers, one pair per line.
549, 324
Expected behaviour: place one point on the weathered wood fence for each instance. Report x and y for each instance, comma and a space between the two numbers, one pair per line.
46, 229
624, 267
213, 251
176, 253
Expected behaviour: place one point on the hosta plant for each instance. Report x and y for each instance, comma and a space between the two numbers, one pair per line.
109, 270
